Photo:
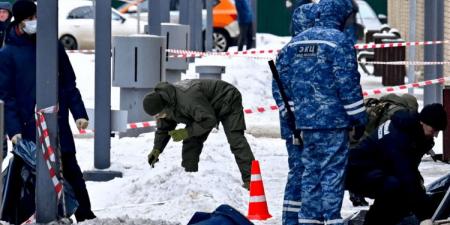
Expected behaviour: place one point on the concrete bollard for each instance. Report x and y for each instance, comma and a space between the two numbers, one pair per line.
210, 72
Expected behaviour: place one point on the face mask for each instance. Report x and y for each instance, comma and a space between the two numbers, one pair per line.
30, 26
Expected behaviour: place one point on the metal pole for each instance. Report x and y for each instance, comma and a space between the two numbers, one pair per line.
139, 19
430, 50
412, 37
254, 5
191, 14
446, 132
47, 95
158, 12
209, 25
102, 141
440, 4
2, 134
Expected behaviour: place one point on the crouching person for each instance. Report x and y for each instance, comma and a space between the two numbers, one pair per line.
384, 166
201, 105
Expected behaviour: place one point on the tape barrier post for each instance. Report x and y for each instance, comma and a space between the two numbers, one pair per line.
47, 95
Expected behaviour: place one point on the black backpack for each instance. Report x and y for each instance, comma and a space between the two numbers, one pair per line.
380, 110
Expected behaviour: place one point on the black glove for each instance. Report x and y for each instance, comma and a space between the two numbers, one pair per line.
358, 131
358, 200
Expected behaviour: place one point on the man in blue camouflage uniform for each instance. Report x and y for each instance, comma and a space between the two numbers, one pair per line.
303, 18
325, 88
351, 25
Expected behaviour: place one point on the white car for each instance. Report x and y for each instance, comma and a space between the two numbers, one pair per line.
76, 24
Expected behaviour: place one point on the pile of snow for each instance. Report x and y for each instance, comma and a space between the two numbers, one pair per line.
167, 192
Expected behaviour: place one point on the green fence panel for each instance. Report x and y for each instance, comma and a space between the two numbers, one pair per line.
273, 17
379, 6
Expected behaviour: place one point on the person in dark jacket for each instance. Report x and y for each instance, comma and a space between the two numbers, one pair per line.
201, 105
18, 90
245, 20
384, 166
5, 19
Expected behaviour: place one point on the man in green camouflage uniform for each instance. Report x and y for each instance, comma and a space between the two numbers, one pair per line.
201, 105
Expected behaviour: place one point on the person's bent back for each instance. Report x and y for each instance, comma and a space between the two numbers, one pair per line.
384, 166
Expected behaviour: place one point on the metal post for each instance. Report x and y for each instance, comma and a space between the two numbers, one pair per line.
440, 6
1, 149
209, 25
102, 142
430, 50
254, 5
446, 134
158, 12
46, 95
102, 111
191, 14
412, 37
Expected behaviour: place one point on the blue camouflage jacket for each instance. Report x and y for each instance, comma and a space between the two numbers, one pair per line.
321, 69
302, 19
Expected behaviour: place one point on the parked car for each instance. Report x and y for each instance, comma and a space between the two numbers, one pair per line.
368, 19
76, 24
225, 25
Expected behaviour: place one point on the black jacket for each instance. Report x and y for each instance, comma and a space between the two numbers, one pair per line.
396, 148
18, 90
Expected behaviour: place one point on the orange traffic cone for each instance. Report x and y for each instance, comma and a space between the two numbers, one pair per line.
257, 209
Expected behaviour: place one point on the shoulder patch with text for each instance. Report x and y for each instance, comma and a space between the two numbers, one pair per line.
307, 50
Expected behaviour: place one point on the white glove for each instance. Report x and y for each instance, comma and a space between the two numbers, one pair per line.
16, 138
82, 123
426, 222
288, 4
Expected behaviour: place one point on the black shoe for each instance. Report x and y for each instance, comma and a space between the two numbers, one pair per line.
191, 170
246, 185
358, 200
84, 216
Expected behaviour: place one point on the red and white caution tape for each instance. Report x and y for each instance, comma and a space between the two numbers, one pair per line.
405, 86
129, 126
415, 63
141, 125
402, 44
31, 220
260, 109
263, 109
48, 153
81, 51
177, 53
47, 150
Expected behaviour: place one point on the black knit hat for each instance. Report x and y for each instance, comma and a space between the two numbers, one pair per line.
153, 103
6, 5
23, 9
434, 115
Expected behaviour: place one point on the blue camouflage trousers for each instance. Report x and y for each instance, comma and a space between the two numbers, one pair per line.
292, 198
322, 186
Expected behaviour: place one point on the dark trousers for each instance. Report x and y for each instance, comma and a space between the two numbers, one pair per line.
390, 205
72, 174
234, 126
5, 146
245, 36
192, 147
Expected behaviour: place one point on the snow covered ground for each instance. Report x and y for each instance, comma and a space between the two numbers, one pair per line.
166, 192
